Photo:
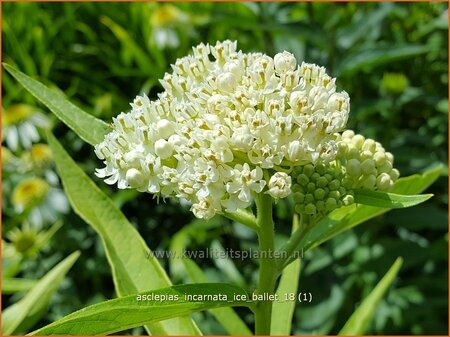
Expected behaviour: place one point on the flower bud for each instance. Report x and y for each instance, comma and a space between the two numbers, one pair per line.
165, 128
335, 195
353, 167
369, 145
309, 198
368, 166
386, 167
320, 205
294, 151
348, 134
358, 141
384, 182
308, 170
284, 61
334, 184
302, 179
394, 174
226, 82
163, 148
390, 157
279, 185
298, 197
319, 194
330, 204
134, 178
311, 187
380, 158
310, 209
348, 200
322, 182
368, 182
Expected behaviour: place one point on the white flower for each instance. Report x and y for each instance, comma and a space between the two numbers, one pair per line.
244, 181
224, 121
284, 61
279, 185
163, 148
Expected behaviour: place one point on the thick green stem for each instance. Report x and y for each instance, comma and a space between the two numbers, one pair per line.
267, 266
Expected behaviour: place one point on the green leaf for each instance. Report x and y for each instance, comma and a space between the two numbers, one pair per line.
198, 228
134, 269
16, 285
140, 309
226, 265
369, 20
90, 129
27, 311
361, 318
129, 45
389, 200
283, 310
369, 58
227, 317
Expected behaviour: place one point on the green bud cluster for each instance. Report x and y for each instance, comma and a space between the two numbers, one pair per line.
319, 189
366, 163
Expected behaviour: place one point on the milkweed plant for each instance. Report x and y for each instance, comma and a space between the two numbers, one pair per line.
232, 134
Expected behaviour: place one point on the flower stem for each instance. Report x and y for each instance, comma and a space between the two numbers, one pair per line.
267, 266
244, 217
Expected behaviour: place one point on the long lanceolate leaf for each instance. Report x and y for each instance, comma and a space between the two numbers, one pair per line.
361, 318
92, 130
389, 200
136, 310
134, 269
283, 309
26, 312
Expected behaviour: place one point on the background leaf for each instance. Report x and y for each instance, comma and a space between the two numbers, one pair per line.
369, 58
283, 310
361, 318
15, 285
24, 313
231, 322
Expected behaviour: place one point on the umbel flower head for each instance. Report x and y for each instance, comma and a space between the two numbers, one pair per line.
228, 125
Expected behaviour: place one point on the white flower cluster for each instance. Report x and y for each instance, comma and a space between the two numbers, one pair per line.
224, 124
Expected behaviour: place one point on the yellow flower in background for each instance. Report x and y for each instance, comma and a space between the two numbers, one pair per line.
20, 125
29, 193
163, 20
16, 114
40, 156
166, 15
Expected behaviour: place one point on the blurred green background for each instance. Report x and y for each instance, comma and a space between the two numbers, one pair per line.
392, 59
